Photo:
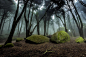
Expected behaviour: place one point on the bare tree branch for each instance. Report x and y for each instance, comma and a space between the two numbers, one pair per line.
82, 3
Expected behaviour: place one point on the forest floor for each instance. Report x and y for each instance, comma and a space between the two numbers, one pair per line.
22, 49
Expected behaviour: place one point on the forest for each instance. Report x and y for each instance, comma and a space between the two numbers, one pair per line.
42, 28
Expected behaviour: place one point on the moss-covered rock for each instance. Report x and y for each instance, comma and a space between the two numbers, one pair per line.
79, 40
9, 45
60, 37
19, 39
37, 39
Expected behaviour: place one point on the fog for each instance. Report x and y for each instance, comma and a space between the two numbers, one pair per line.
39, 8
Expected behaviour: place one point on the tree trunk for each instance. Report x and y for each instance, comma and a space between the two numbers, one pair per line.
44, 27
80, 24
42, 17
2, 20
9, 25
27, 31
37, 19
9, 40
65, 28
2, 26
20, 27
1, 23
48, 27
78, 20
81, 32
38, 28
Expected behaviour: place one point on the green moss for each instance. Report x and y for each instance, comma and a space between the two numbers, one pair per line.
79, 40
60, 37
1, 46
19, 39
9, 45
37, 39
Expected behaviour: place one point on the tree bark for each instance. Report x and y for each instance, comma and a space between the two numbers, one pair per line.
9, 40
38, 28
44, 27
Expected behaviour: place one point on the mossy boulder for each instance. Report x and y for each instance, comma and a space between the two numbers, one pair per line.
37, 39
60, 37
9, 45
19, 39
79, 40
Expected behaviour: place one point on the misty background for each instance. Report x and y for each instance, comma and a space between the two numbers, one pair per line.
38, 8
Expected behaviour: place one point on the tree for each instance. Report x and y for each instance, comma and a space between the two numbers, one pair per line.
78, 20
15, 21
3, 18
82, 3
45, 24
37, 20
17, 18
63, 21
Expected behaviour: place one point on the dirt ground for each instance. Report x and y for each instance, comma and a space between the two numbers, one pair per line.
22, 49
